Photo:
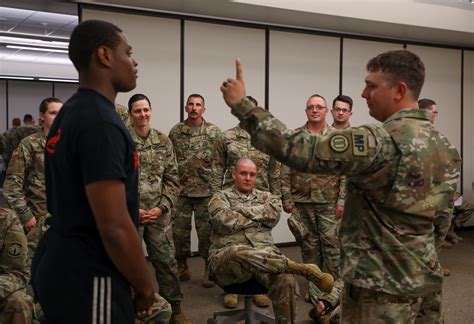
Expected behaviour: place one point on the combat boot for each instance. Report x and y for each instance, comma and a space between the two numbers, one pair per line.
324, 281
446, 272
206, 283
230, 300
261, 300
183, 270
177, 316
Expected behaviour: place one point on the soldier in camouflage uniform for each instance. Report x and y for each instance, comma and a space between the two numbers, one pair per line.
158, 190
15, 305
232, 145
341, 111
402, 177
24, 187
192, 142
462, 213
14, 136
316, 204
124, 115
242, 247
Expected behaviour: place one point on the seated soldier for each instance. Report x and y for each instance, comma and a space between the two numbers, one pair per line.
242, 245
462, 213
15, 305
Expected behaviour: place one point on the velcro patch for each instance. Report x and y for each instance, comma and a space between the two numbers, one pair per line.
339, 143
14, 250
359, 143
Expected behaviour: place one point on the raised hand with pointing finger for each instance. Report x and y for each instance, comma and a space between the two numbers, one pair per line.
234, 89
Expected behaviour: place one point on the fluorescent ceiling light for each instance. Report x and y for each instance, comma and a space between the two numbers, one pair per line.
33, 42
15, 77
58, 80
40, 49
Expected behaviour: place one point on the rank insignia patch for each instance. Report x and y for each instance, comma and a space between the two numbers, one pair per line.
339, 143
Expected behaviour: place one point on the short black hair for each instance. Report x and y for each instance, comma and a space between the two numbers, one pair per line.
137, 97
46, 101
16, 122
253, 100
400, 66
196, 95
343, 98
28, 119
88, 36
426, 103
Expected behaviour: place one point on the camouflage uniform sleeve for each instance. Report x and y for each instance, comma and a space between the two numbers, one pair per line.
341, 199
13, 260
351, 151
274, 170
224, 219
441, 226
171, 186
14, 182
218, 163
285, 177
268, 213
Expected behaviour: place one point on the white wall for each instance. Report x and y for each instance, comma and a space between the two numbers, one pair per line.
210, 52
3, 106
468, 129
356, 54
24, 97
443, 85
158, 57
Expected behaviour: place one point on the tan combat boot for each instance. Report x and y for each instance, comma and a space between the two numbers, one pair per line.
324, 281
261, 300
177, 316
446, 272
206, 283
230, 300
183, 270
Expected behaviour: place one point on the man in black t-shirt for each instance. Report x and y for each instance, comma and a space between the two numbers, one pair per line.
91, 255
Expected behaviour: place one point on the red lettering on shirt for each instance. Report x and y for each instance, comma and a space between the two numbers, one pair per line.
135, 159
51, 144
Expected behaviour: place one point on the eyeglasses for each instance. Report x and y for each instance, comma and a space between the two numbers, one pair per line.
317, 107
341, 110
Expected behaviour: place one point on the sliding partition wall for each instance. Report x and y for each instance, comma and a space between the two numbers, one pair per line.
179, 55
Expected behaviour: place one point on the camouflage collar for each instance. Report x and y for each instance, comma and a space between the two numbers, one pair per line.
250, 196
324, 130
415, 113
188, 129
240, 132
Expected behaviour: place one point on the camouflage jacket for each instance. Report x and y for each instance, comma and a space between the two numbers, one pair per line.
14, 262
402, 177
309, 187
158, 171
234, 144
13, 138
123, 113
24, 187
193, 146
239, 219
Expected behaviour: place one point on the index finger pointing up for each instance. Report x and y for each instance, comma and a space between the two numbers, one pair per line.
239, 74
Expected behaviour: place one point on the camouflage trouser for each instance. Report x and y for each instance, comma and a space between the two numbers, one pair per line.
461, 215
360, 305
239, 264
182, 215
316, 231
164, 313
158, 239
16, 308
